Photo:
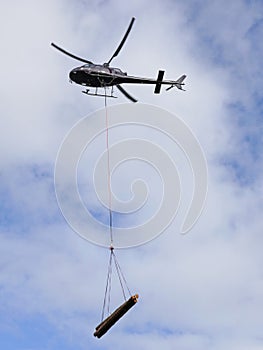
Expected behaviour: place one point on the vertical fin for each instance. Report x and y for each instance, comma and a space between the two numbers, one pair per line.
159, 82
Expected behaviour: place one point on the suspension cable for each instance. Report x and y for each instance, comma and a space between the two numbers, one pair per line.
108, 167
122, 280
121, 277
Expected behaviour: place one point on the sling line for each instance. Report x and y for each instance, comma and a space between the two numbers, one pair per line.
113, 258
111, 319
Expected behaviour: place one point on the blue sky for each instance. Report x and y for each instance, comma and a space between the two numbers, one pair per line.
51, 281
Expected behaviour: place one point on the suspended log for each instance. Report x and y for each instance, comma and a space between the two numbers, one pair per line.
105, 325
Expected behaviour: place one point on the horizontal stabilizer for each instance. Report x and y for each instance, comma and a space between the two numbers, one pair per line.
178, 83
159, 82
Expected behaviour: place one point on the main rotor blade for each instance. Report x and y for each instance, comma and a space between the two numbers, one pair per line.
123, 40
125, 93
70, 54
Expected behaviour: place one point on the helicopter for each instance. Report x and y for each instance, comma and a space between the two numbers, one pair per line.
104, 76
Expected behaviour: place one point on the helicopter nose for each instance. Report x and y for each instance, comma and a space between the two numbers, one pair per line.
73, 74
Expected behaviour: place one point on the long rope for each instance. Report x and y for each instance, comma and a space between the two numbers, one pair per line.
108, 167
107, 294
121, 277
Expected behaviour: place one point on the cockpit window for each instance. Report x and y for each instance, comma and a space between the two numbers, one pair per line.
117, 70
94, 68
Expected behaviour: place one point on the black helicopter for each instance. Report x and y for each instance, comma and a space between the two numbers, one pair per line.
103, 76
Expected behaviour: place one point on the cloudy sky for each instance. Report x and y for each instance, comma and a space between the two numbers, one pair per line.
203, 290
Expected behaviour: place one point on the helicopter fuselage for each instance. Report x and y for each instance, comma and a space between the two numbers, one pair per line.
101, 75
96, 75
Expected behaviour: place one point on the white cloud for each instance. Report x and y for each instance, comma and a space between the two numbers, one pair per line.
197, 291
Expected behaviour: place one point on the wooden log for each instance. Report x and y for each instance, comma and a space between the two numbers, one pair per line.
105, 325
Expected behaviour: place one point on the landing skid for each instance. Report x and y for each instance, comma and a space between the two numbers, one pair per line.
87, 92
